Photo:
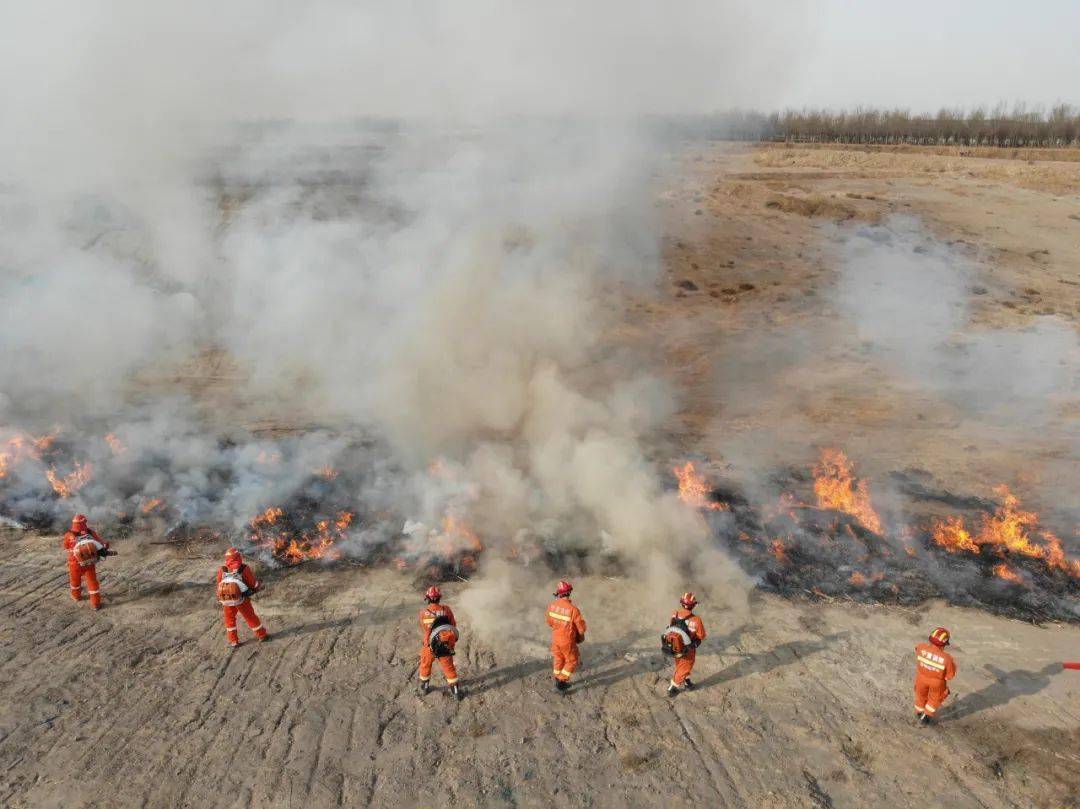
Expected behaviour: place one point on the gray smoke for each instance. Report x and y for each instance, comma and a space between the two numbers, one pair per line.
910, 298
254, 241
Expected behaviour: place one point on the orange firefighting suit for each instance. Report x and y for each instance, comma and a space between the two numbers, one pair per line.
427, 657
567, 631
76, 572
934, 667
244, 607
684, 662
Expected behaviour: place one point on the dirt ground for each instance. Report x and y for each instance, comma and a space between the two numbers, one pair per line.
798, 704
754, 231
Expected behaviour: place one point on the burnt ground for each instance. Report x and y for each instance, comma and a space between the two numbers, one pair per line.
798, 704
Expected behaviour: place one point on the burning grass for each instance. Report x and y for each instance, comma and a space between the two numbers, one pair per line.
824, 534
837, 488
1009, 531
291, 539
694, 491
1003, 559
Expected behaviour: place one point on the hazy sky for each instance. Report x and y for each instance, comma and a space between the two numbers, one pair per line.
923, 54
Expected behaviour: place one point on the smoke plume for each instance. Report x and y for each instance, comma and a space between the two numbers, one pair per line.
357, 262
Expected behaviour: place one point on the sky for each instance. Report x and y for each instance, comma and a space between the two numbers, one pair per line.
925, 54
137, 70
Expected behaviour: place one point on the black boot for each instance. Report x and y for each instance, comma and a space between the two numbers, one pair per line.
455, 689
561, 685
688, 684
926, 720
672, 691
424, 686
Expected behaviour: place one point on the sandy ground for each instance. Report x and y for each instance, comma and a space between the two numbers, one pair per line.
799, 704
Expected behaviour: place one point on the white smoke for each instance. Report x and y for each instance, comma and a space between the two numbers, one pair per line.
409, 224
909, 296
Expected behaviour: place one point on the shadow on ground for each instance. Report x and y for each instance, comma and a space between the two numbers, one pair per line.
1008, 685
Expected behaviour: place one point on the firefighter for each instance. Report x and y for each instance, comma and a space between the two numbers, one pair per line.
685, 633
84, 550
934, 667
236, 583
567, 631
439, 634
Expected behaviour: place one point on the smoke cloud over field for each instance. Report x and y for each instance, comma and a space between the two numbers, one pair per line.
402, 228
910, 299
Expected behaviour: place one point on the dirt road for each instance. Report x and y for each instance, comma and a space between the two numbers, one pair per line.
798, 705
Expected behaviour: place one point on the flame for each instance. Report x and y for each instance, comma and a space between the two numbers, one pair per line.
327, 472
1009, 526
785, 506
270, 531
777, 549
457, 537
269, 517
694, 491
1055, 556
1003, 571
115, 444
455, 543
837, 489
857, 579
953, 536
69, 484
22, 446
1009, 529
151, 505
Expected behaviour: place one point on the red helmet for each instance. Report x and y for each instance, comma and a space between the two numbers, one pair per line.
688, 600
565, 588
940, 637
78, 521
233, 559
433, 594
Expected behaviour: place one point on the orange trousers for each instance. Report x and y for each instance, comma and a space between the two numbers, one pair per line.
683, 666
427, 660
929, 694
76, 573
565, 659
248, 611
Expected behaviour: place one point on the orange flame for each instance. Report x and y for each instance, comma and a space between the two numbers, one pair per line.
69, 484
837, 489
953, 536
454, 543
857, 579
777, 549
151, 505
1009, 529
456, 537
327, 472
20, 447
115, 444
1003, 571
694, 491
292, 547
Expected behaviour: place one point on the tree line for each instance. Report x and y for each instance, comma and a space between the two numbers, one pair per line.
1001, 125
